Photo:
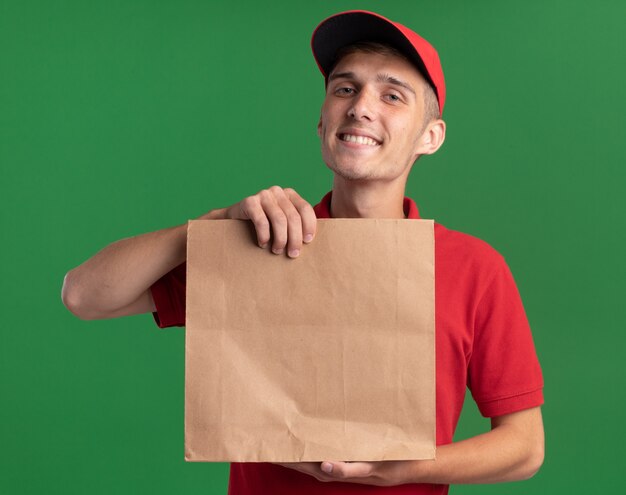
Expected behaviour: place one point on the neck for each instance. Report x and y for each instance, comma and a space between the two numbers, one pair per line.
367, 199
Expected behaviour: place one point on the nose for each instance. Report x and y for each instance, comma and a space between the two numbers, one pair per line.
363, 105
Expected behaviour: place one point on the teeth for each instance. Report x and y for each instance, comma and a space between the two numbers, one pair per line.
359, 139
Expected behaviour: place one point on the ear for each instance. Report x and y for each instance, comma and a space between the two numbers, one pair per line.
319, 127
432, 138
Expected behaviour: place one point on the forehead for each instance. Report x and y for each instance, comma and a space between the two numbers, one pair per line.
364, 64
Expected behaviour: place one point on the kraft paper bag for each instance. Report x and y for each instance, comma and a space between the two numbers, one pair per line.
330, 356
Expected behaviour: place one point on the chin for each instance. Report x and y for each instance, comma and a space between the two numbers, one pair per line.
352, 173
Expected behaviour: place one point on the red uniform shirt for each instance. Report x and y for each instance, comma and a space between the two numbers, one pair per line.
482, 342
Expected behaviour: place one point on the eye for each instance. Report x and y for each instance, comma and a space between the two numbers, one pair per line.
393, 97
344, 91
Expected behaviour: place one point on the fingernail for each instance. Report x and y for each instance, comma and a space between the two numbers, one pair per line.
277, 251
263, 246
327, 467
308, 238
294, 253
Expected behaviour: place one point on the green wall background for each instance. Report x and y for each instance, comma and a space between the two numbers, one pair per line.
122, 117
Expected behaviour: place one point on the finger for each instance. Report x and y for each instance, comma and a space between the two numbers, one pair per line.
277, 218
251, 209
307, 215
310, 468
294, 225
343, 470
301, 466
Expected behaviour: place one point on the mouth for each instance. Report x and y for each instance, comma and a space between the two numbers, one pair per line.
358, 139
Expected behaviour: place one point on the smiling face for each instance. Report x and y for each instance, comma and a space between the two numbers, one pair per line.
372, 121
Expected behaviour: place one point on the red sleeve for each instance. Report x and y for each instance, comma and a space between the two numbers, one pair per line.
168, 294
504, 373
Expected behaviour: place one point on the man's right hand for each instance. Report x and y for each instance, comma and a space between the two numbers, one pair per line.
279, 215
116, 281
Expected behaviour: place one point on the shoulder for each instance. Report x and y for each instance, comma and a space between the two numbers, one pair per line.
460, 246
465, 260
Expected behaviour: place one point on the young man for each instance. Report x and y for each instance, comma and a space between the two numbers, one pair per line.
385, 93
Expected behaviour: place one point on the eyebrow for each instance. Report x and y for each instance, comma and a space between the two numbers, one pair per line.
339, 75
384, 78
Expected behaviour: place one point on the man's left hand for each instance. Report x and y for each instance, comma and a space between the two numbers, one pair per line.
512, 450
385, 473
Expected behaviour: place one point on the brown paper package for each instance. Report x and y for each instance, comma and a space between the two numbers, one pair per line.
329, 356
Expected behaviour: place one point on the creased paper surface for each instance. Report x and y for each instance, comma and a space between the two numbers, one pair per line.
327, 356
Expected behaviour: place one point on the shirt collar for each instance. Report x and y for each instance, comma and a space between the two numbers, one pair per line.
322, 209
